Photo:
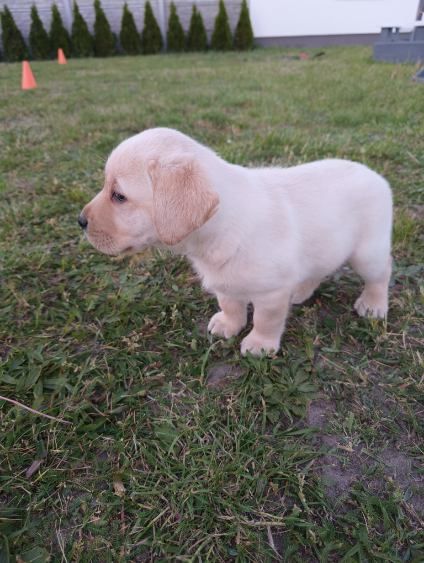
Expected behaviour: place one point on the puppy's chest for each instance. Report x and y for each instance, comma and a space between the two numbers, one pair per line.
240, 279
225, 279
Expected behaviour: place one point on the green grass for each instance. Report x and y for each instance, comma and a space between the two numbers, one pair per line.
178, 448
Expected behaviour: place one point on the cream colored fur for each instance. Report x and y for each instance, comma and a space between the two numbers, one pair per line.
265, 236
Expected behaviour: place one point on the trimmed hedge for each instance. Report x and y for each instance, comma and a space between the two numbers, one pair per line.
222, 39
151, 36
14, 46
39, 40
104, 40
59, 36
82, 41
197, 39
129, 36
243, 37
176, 40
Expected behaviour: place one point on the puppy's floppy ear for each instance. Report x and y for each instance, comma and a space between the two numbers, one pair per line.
182, 198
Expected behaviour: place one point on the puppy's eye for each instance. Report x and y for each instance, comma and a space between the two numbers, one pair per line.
118, 197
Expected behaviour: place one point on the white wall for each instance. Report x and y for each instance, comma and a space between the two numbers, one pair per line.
285, 18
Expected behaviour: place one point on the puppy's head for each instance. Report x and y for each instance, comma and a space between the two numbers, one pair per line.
155, 191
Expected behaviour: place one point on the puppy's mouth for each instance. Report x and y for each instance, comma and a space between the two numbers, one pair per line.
128, 251
105, 244
102, 243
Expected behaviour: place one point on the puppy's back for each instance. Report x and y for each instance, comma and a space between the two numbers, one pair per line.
335, 206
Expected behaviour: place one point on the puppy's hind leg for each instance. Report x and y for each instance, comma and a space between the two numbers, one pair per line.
375, 270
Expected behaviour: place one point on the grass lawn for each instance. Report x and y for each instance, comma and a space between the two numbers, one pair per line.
178, 449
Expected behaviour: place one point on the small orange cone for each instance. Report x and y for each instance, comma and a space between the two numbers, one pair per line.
61, 59
28, 80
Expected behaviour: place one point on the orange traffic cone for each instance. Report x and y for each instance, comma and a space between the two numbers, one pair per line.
61, 59
28, 80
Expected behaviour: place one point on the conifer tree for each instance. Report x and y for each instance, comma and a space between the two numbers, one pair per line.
59, 36
14, 47
39, 41
197, 39
221, 37
82, 41
104, 40
151, 37
243, 37
129, 36
175, 37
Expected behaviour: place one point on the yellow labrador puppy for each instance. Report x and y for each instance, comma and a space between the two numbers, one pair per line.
265, 236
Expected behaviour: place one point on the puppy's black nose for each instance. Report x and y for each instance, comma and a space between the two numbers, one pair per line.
82, 221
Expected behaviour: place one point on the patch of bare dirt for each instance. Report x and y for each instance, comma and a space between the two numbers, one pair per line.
343, 465
221, 375
405, 472
4, 351
340, 469
319, 411
337, 470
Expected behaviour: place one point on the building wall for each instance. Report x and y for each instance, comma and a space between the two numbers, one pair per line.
291, 18
113, 8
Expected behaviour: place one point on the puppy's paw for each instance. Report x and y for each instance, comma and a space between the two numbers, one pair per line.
221, 325
259, 345
374, 308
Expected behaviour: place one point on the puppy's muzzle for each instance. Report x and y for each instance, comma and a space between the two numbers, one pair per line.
82, 221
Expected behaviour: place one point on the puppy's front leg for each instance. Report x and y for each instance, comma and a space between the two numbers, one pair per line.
231, 319
269, 320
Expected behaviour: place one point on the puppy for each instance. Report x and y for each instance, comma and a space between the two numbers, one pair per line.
266, 236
